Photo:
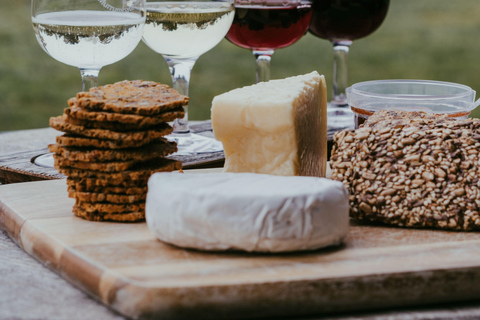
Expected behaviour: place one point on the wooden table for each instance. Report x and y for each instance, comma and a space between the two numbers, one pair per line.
29, 290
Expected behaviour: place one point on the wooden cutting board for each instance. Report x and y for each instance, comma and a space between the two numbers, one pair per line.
126, 268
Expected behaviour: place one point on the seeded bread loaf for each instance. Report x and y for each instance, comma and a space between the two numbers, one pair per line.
412, 169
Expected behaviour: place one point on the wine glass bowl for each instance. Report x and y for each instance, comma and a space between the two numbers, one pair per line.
266, 25
269, 25
186, 30
88, 34
181, 31
347, 20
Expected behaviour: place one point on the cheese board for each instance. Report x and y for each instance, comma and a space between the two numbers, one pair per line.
129, 270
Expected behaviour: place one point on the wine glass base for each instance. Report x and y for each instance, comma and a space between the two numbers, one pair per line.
194, 144
339, 118
45, 160
182, 139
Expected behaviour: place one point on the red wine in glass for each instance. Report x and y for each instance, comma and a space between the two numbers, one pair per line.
256, 27
268, 25
342, 21
337, 20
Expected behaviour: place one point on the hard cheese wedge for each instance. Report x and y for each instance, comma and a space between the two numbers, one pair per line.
247, 211
277, 127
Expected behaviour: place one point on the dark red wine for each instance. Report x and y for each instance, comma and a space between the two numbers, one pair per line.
347, 19
269, 27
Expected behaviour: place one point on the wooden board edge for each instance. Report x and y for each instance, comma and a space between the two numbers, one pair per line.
76, 268
299, 298
11, 222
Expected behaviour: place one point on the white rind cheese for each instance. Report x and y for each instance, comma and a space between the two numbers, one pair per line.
277, 127
245, 211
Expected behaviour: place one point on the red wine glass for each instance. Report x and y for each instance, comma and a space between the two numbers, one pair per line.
341, 22
266, 25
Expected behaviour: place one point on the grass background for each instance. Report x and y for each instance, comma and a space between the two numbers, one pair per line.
420, 39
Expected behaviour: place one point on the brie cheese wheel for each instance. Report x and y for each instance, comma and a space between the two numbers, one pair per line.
277, 127
246, 211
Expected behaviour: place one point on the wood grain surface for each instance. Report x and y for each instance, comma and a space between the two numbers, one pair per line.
126, 268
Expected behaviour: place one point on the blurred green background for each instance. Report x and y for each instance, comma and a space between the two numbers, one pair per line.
420, 39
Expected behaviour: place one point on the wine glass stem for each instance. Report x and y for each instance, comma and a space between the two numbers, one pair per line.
262, 59
180, 71
89, 78
340, 72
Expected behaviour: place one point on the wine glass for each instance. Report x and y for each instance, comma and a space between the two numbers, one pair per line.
266, 25
87, 34
341, 22
181, 31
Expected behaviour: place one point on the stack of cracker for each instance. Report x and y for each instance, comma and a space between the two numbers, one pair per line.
113, 141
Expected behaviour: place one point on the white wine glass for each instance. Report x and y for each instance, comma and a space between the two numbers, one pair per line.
87, 34
181, 31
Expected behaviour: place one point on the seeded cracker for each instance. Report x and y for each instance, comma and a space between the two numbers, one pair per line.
132, 97
59, 123
158, 149
109, 216
111, 208
113, 126
137, 120
92, 183
140, 172
81, 185
418, 171
77, 141
101, 183
110, 166
105, 197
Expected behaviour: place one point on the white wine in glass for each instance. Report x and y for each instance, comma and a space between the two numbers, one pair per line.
181, 31
87, 34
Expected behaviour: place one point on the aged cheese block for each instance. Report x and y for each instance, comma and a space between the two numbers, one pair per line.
246, 211
277, 127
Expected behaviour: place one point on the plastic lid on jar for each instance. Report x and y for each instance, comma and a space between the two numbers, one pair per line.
412, 95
